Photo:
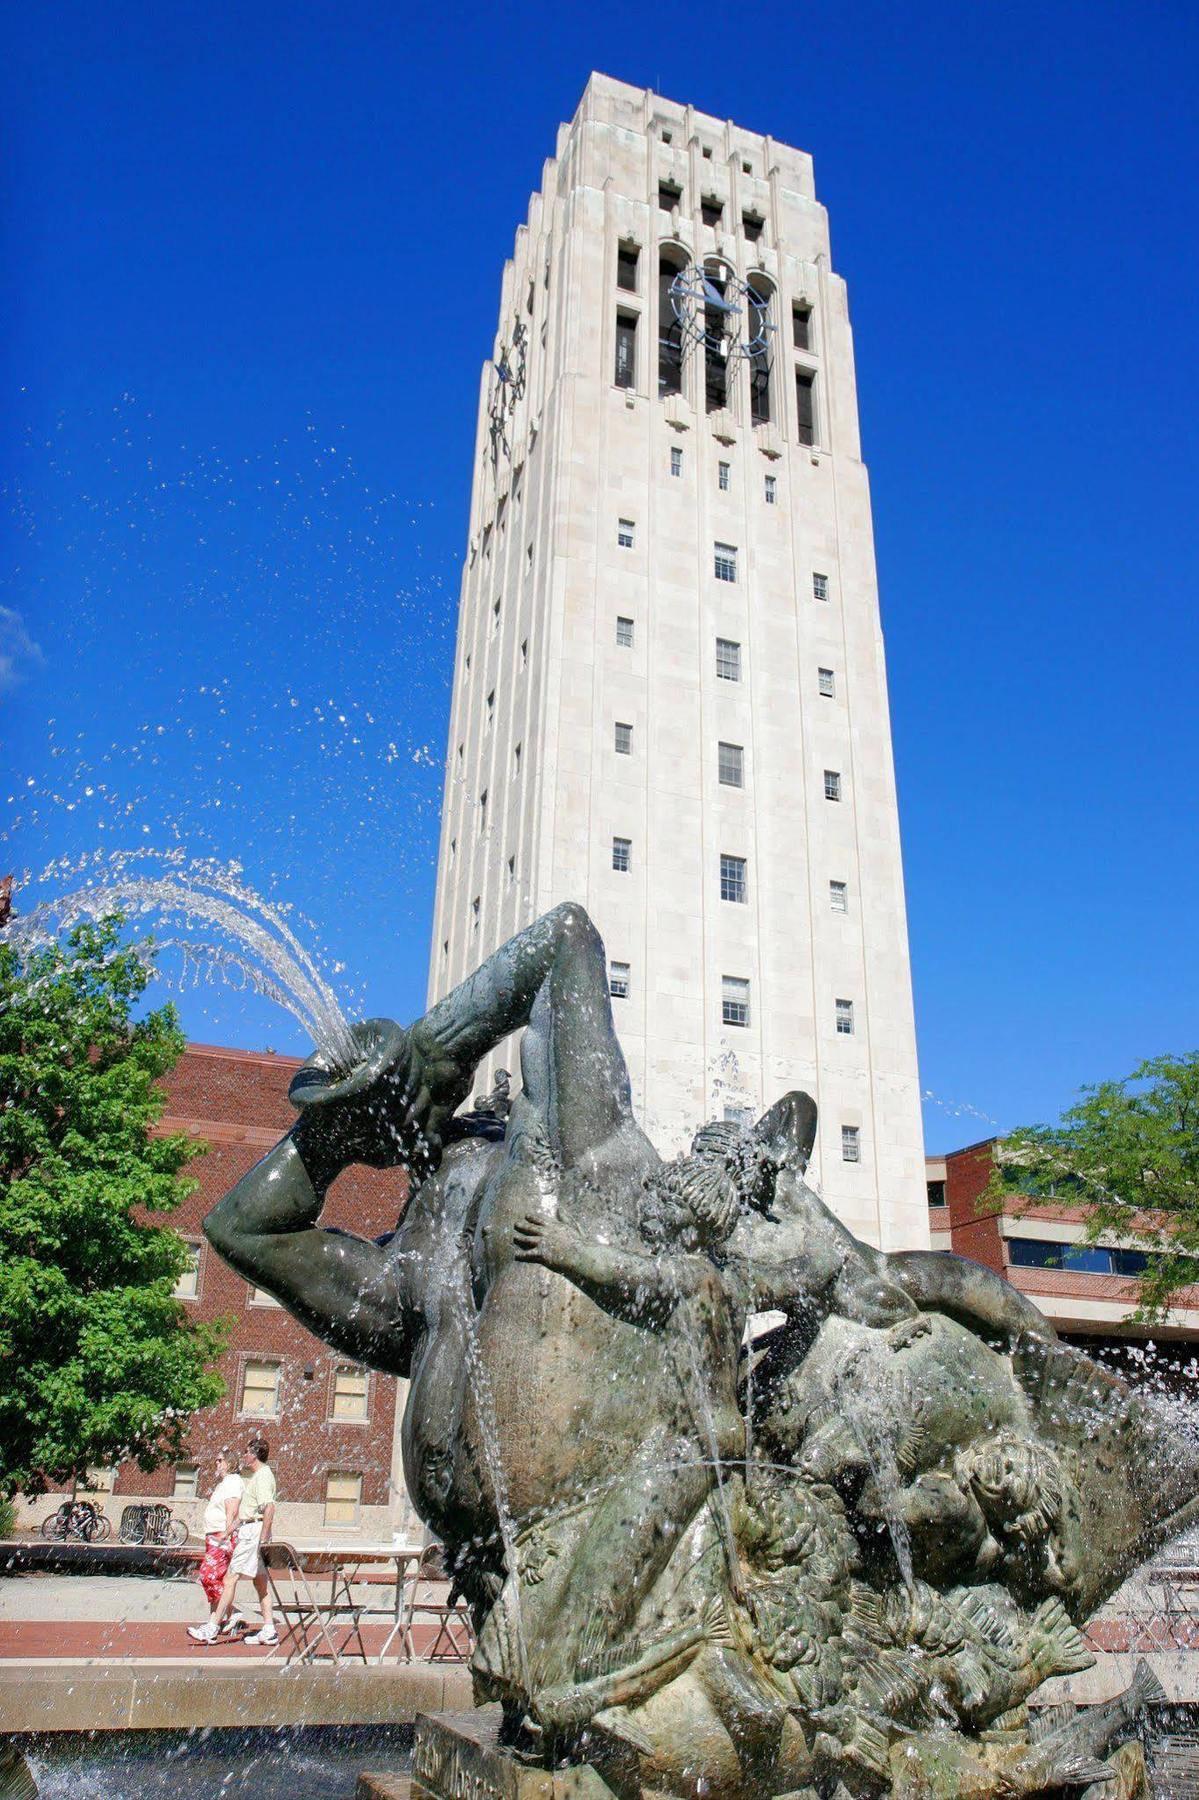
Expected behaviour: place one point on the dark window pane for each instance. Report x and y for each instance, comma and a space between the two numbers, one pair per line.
670, 334
805, 406
711, 211
801, 327
626, 269
626, 351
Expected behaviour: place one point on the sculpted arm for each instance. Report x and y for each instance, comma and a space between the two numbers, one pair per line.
388, 1113
642, 1290
341, 1287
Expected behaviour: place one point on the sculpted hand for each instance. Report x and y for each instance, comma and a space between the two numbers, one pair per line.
377, 1111
541, 1240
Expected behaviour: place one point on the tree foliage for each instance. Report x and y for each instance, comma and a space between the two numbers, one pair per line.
1127, 1151
98, 1362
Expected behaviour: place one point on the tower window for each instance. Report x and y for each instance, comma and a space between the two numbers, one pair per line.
624, 633
733, 884
670, 332
524, 653
516, 759
626, 350
832, 784
474, 912
751, 224
728, 659
668, 195
747, 168
626, 532
844, 1018
716, 362
618, 980
483, 810
838, 896
627, 257
801, 327
759, 361
730, 765
828, 683
676, 460
512, 868
724, 476
624, 740
805, 405
706, 152
711, 210
453, 848
528, 556
724, 565
490, 707
495, 616
772, 489
851, 1143
734, 1000
622, 854
820, 587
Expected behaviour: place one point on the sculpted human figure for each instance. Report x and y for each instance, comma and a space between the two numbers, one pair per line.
569, 1309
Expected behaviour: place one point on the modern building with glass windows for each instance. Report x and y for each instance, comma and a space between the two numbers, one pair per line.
670, 695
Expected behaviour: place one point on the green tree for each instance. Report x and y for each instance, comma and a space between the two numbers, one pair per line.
1129, 1152
97, 1361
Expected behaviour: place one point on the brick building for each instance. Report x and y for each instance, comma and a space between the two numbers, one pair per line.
1088, 1292
331, 1424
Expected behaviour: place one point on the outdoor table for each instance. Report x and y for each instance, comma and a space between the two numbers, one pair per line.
310, 1613
346, 1564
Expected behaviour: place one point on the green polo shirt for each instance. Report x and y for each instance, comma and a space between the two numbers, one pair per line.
258, 1492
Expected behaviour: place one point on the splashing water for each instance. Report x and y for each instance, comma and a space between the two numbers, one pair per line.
256, 946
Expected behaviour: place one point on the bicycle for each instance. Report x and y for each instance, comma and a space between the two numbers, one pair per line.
76, 1519
154, 1524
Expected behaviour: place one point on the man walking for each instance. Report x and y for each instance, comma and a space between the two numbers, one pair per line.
255, 1520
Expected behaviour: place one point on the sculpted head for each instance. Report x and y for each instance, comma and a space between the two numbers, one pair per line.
1026, 1497
695, 1203
691, 1204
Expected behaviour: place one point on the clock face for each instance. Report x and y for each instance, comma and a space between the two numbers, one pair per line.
507, 388
715, 308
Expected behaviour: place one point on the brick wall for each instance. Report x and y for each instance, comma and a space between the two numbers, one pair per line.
236, 1102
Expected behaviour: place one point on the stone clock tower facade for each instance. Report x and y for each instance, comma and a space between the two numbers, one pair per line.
670, 694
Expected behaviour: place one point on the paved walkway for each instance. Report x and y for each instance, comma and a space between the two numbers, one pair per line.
120, 1640
118, 1618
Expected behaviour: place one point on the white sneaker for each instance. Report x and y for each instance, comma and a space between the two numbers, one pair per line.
235, 1622
262, 1637
203, 1634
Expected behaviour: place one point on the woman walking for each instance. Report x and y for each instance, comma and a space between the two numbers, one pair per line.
220, 1535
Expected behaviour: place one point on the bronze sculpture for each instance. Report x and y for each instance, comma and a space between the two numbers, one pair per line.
835, 1558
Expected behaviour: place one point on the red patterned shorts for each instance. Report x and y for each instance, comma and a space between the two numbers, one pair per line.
214, 1566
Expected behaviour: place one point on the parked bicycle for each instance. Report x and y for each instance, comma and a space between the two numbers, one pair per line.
77, 1519
153, 1524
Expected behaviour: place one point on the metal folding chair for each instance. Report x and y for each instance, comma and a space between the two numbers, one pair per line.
306, 1620
454, 1639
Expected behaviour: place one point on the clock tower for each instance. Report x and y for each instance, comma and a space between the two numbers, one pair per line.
670, 693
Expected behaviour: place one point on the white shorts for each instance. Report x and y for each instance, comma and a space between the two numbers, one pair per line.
246, 1560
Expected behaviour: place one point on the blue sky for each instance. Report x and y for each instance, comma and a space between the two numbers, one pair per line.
257, 255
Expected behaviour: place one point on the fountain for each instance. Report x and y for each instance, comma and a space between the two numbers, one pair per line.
836, 1559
